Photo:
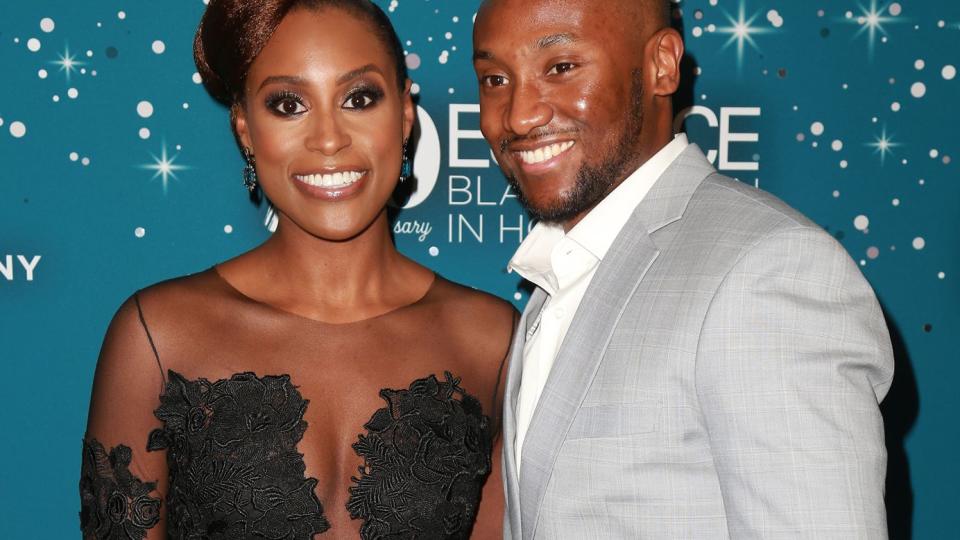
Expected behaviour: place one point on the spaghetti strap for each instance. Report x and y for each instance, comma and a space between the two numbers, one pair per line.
143, 323
236, 408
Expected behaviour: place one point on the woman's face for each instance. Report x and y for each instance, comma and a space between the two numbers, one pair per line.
326, 122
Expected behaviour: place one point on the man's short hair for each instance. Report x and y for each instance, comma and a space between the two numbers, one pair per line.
660, 10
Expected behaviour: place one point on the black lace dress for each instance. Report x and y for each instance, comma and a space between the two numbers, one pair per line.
235, 468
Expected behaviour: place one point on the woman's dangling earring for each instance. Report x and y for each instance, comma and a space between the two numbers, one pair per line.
249, 172
406, 167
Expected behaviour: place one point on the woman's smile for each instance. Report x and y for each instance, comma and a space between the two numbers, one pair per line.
326, 118
334, 185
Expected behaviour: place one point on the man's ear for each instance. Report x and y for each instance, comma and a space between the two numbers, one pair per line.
664, 51
238, 119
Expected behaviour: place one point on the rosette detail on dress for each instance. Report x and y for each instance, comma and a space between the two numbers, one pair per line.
234, 468
114, 504
426, 456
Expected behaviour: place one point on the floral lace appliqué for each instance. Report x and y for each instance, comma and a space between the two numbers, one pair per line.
114, 504
426, 456
233, 463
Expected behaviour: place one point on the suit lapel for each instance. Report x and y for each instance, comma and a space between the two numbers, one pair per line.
530, 316
616, 280
575, 366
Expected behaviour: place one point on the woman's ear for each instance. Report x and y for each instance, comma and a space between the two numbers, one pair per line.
409, 110
238, 119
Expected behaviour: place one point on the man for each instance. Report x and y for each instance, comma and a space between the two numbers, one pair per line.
698, 359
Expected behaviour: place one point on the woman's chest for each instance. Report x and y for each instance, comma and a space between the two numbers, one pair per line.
345, 444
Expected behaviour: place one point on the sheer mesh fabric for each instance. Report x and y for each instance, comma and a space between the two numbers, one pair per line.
255, 415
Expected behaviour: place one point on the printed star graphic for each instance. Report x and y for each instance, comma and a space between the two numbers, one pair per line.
741, 31
871, 21
164, 167
883, 145
68, 63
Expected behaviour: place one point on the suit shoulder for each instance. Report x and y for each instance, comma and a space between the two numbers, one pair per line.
725, 220
764, 230
725, 201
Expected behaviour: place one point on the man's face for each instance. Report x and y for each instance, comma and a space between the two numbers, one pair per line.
560, 100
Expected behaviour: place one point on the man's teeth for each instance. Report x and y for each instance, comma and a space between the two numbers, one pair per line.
540, 155
335, 180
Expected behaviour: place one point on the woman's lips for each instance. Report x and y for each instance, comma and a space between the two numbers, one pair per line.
331, 186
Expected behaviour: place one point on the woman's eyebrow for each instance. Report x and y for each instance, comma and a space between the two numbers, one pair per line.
300, 81
353, 74
285, 79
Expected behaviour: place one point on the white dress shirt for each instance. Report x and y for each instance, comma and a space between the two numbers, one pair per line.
563, 264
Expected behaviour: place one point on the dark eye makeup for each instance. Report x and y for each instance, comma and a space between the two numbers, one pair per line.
285, 103
363, 96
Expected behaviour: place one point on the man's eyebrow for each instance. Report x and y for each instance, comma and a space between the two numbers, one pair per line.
545, 42
556, 39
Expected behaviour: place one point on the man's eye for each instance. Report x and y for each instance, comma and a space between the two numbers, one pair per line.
562, 67
494, 80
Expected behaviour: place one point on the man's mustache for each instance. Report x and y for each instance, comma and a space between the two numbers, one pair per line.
534, 136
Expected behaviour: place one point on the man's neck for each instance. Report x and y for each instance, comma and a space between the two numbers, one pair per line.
629, 169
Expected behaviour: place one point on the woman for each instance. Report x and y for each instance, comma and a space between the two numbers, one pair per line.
322, 381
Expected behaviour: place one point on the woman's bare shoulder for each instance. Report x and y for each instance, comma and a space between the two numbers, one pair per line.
473, 306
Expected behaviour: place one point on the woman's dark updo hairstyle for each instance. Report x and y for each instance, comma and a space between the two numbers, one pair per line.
233, 32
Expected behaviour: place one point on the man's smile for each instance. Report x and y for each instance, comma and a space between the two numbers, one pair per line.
544, 152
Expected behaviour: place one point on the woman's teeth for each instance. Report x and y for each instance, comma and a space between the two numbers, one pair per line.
335, 180
540, 155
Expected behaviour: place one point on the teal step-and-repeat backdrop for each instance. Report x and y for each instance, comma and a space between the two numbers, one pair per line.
117, 170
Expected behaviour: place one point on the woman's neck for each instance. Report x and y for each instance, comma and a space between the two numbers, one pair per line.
329, 280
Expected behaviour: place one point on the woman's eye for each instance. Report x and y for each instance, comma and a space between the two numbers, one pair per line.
287, 105
494, 80
360, 100
562, 67
291, 107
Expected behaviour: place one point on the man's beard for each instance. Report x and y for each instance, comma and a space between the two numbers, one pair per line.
594, 182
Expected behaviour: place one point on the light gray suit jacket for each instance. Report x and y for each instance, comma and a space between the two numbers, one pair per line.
720, 379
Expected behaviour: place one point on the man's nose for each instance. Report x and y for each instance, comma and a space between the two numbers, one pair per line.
528, 110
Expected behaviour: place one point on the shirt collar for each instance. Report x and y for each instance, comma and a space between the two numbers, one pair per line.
599, 228
534, 258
